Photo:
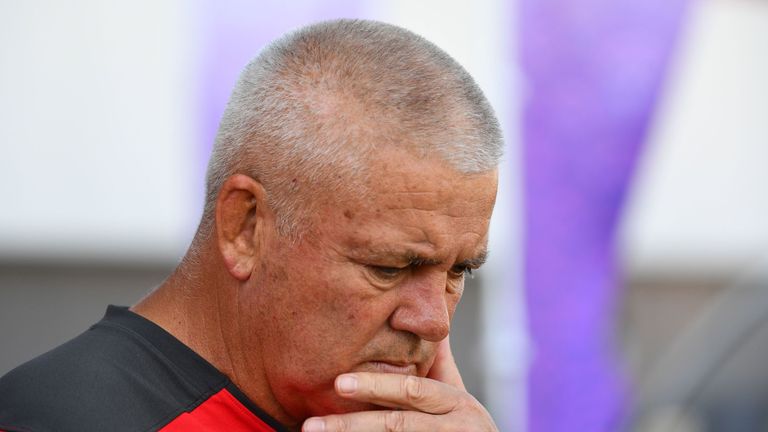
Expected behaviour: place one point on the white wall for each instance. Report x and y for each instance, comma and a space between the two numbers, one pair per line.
97, 138
701, 200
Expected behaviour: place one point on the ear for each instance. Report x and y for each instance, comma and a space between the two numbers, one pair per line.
242, 216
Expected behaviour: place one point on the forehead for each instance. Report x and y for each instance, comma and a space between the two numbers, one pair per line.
417, 205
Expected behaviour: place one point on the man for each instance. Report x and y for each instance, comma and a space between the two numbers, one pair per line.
348, 194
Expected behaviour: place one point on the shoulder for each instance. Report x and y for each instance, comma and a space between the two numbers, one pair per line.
38, 394
101, 380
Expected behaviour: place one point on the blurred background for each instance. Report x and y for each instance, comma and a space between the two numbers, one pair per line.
627, 283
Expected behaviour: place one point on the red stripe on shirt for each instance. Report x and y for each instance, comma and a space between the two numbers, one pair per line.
220, 412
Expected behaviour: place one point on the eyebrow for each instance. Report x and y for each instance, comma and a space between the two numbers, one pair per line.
477, 261
417, 261
414, 259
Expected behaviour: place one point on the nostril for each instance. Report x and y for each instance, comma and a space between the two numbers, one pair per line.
428, 322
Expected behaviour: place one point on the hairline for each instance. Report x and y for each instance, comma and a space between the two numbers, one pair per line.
346, 163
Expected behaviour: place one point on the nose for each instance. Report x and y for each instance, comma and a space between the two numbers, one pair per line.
423, 308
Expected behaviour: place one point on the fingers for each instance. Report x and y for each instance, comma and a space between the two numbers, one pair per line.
426, 405
444, 368
374, 421
400, 391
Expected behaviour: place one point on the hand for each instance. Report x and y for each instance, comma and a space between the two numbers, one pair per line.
444, 368
420, 404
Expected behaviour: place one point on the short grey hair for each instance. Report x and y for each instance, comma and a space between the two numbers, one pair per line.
312, 107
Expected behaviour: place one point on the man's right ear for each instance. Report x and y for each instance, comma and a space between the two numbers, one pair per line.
241, 216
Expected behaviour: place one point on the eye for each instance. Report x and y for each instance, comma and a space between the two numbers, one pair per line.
458, 271
386, 274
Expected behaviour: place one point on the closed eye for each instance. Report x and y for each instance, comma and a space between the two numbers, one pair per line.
458, 271
386, 273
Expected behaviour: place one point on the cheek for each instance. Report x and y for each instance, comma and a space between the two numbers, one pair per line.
452, 302
348, 307
318, 307
334, 316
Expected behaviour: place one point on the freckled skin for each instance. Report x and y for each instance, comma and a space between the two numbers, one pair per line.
375, 279
325, 314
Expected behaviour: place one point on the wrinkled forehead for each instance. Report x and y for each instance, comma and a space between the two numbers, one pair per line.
401, 179
417, 204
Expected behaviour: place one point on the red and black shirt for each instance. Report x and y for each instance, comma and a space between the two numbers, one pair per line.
125, 374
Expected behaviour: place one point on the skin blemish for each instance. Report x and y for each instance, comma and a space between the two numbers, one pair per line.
348, 214
277, 275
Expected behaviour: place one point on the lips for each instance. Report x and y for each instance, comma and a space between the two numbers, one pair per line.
394, 368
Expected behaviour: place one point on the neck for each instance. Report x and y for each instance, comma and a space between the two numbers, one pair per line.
199, 308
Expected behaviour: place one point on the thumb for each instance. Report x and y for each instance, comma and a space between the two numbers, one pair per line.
444, 368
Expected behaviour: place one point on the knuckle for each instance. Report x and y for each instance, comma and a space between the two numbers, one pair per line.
466, 403
394, 421
473, 417
413, 389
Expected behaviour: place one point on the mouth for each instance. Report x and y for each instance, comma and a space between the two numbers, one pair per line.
393, 368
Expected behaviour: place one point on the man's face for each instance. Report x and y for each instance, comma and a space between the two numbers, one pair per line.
372, 287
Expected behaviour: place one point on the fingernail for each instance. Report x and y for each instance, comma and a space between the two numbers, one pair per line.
314, 425
347, 384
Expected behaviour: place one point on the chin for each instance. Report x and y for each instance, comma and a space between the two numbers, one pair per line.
343, 406
327, 402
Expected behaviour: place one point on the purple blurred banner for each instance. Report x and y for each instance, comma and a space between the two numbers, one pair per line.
593, 71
